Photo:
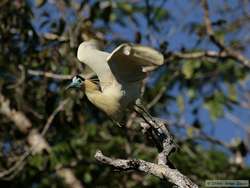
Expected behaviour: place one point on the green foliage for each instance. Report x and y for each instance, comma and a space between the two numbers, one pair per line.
212, 164
215, 105
189, 68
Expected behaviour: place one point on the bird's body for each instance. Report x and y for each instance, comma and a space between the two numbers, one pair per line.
107, 100
120, 74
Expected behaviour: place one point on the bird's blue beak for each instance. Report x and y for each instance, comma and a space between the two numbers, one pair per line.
76, 82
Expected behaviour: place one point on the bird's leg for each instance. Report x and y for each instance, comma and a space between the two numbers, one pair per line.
151, 130
115, 122
143, 109
142, 115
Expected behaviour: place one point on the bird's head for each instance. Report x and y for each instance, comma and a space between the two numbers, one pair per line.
77, 82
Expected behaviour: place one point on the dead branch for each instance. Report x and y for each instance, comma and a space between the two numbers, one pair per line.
198, 55
18, 118
36, 140
49, 75
56, 76
159, 170
52, 116
231, 53
69, 178
164, 141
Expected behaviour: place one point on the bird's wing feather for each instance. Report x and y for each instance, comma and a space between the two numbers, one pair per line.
127, 61
97, 61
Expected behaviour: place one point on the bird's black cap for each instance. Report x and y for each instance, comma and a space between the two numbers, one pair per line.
78, 76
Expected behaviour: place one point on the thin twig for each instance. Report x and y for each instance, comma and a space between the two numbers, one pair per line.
13, 171
16, 166
199, 54
161, 92
56, 76
17, 117
231, 53
52, 116
49, 75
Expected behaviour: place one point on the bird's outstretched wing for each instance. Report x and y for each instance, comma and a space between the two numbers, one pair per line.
97, 60
127, 61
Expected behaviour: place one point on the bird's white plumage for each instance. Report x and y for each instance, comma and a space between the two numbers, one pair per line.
120, 72
89, 54
127, 61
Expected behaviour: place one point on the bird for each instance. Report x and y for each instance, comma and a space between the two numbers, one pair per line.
120, 75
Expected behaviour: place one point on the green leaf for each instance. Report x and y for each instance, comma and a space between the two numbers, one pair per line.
192, 93
220, 35
40, 3
232, 92
188, 69
181, 103
190, 131
162, 13
215, 109
127, 7
87, 177
113, 17
37, 161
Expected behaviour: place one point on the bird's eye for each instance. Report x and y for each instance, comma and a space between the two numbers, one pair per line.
77, 81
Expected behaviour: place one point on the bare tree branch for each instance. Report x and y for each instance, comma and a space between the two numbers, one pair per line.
231, 53
159, 170
52, 116
20, 120
49, 75
35, 139
164, 141
161, 92
69, 178
55, 76
198, 55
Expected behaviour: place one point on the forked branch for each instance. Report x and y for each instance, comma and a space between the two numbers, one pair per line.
157, 129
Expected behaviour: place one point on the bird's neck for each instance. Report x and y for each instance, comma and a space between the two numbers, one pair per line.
91, 87
93, 92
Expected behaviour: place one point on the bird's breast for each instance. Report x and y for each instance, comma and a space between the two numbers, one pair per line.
107, 100
115, 98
